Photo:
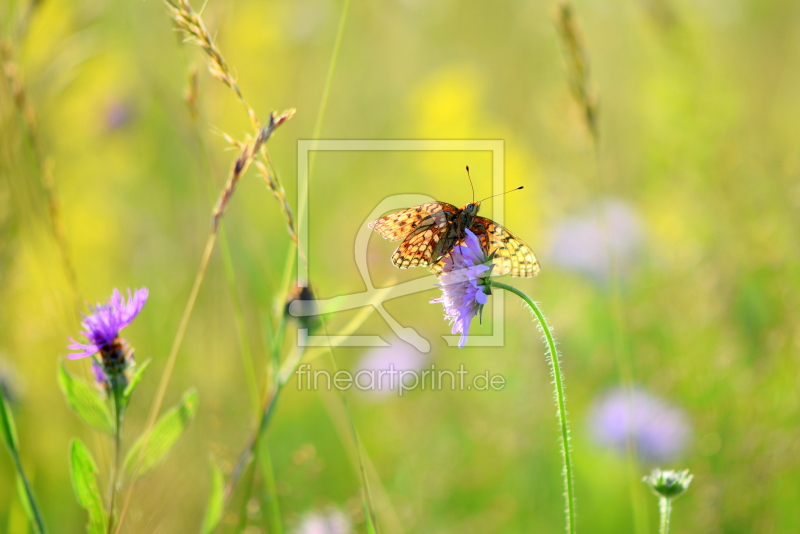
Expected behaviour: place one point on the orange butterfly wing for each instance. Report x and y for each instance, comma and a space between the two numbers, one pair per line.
429, 233
421, 228
511, 255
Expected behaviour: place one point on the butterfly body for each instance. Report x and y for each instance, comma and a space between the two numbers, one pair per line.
430, 231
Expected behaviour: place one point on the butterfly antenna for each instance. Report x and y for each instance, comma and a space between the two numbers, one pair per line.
471, 185
497, 195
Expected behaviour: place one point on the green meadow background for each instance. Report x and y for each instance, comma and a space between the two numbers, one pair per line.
699, 137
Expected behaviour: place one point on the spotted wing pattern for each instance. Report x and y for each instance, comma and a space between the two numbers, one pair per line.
421, 228
417, 249
401, 223
429, 233
511, 255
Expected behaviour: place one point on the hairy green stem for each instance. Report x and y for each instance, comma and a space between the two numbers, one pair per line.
558, 381
665, 507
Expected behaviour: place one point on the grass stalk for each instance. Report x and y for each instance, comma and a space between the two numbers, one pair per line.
27, 112
369, 504
268, 473
192, 25
578, 77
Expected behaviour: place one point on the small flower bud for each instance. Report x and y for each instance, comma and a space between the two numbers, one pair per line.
668, 484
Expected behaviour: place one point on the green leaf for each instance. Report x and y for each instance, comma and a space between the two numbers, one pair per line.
137, 377
7, 425
216, 500
86, 401
85, 485
165, 434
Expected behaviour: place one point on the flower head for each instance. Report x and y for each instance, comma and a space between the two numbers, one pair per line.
465, 284
659, 430
330, 522
384, 368
103, 325
584, 242
668, 484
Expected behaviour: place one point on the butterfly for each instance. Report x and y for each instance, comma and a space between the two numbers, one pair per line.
430, 231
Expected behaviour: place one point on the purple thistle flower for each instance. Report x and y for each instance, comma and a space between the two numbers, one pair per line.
465, 284
103, 325
659, 430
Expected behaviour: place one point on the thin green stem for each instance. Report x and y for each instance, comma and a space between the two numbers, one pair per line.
620, 348
241, 329
665, 507
119, 412
248, 492
302, 199
267, 412
558, 381
227, 261
366, 494
37, 514
268, 473
8, 431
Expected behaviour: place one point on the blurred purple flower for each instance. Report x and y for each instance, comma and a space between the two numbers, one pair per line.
659, 430
465, 284
330, 522
382, 367
103, 325
583, 242
118, 114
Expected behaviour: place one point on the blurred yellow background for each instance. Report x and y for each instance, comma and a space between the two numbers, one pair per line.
696, 182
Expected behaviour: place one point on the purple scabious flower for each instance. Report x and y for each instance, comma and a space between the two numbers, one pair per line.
330, 522
103, 325
465, 284
583, 243
382, 368
659, 431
